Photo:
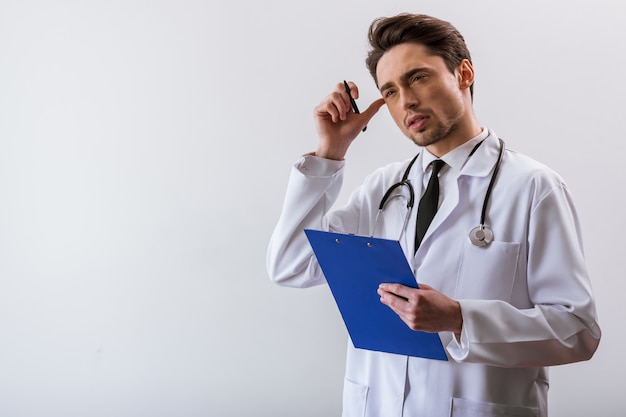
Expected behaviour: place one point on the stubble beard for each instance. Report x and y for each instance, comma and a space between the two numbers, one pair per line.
429, 136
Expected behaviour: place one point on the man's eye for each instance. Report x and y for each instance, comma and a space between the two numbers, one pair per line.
417, 78
388, 93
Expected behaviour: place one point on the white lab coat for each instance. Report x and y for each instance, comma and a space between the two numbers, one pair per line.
526, 299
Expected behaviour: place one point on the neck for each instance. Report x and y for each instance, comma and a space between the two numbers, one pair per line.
462, 133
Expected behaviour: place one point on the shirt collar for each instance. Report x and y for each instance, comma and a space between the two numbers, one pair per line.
457, 157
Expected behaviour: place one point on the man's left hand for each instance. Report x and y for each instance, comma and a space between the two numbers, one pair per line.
423, 309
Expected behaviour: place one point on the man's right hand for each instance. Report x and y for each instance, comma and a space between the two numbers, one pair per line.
337, 124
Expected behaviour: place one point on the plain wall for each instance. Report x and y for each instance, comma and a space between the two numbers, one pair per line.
144, 152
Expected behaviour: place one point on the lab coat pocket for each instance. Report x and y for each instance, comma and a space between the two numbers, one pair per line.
487, 273
354, 399
467, 408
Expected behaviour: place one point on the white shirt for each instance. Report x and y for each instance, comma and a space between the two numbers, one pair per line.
455, 160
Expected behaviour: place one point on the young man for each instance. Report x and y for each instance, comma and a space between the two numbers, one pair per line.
505, 304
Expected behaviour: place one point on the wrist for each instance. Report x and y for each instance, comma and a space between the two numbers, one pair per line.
458, 321
330, 153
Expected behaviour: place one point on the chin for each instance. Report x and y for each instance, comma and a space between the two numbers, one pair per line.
423, 140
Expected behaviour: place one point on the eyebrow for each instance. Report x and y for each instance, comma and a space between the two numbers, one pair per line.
404, 77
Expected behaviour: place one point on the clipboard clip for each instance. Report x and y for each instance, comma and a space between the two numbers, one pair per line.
368, 244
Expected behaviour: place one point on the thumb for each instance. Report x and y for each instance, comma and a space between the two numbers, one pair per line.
372, 110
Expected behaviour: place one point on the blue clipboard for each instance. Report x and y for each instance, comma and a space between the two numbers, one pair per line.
354, 267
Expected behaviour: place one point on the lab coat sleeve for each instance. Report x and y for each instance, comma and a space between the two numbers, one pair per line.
562, 326
312, 189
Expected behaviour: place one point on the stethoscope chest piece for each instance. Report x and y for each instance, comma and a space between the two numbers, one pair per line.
481, 236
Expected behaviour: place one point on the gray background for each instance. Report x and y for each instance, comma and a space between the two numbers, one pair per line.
144, 153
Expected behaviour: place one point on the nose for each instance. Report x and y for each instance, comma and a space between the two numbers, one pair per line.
408, 98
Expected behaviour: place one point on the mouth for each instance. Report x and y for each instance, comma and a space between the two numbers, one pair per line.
416, 122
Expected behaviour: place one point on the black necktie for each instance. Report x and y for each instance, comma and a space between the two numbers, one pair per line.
428, 203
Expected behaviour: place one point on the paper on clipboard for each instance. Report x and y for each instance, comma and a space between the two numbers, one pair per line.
354, 267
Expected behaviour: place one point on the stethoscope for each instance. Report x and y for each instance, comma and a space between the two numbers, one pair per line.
480, 235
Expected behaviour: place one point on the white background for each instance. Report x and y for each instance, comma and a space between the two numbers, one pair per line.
144, 152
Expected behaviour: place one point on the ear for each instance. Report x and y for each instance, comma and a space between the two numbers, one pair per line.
465, 74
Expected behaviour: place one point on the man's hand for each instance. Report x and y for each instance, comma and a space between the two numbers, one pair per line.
423, 309
337, 124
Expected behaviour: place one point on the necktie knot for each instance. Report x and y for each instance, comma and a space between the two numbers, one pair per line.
429, 203
437, 165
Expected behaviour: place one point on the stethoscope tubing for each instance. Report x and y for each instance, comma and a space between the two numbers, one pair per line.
480, 235
496, 169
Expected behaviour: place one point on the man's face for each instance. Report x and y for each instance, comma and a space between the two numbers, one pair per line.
429, 104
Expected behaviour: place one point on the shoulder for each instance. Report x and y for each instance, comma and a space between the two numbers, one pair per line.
524, 172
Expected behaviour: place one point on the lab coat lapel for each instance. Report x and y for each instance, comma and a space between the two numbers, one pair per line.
479, 165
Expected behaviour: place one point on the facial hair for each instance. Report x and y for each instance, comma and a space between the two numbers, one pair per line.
431, 135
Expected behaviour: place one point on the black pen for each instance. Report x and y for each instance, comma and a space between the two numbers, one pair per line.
352, 102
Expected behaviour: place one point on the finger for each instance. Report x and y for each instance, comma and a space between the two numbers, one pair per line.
340, 89
394, 291
392, 301
373, 108
334, 106
341, 101
354, 90
325, 110
391, 287
425, 287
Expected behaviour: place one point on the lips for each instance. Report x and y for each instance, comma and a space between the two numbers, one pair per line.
416, 121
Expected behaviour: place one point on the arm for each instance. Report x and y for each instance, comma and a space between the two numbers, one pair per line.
313, 187
560, 327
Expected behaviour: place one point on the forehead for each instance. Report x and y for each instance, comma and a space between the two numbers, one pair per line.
403, 58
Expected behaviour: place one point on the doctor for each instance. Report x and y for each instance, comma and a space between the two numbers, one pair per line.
505, 311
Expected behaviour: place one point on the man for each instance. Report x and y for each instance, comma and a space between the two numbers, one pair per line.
504, 310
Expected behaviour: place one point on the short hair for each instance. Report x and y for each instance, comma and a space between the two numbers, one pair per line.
438, 36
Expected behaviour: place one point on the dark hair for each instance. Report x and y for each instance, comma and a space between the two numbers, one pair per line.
438, 36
